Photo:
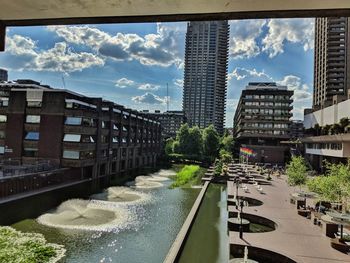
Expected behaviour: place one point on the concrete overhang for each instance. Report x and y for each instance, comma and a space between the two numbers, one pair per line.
39, 12
55, 12
327, 138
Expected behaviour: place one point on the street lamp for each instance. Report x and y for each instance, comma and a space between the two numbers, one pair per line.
237, 181
241, 204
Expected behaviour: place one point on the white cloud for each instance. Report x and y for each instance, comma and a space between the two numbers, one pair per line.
160, 49
124, 82
179, 83
292, 30
149, 98
301, 90
240, 73
148, 86
26, 55
244, 34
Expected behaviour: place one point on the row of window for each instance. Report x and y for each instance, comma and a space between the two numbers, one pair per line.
328, 146
267, 125
266, 132
270, 97
269, 104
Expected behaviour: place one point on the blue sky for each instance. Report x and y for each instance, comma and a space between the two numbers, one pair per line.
132, 63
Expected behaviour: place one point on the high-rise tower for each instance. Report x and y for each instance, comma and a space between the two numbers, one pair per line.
332, 61
206, 59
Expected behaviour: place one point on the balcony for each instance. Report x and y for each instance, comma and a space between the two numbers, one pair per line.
80, 130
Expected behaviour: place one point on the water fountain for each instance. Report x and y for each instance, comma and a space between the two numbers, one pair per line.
125, 195
245, 258
87, 215
144, 182
166, 173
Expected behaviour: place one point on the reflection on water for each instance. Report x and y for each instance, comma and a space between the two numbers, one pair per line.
146, 236
208, 239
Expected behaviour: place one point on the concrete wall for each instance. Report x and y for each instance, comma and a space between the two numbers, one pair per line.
329, 115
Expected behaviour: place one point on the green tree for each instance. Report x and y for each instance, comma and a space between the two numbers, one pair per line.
228, 143
169, 146
225, 156
296, 171
344, 122
195, 143
183, 136
210, 142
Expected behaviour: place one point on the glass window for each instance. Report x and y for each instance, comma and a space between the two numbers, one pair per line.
115, 139
30, 152
34, 104
33, 119
87, 155
32, 136
2, 134
2, 149
71, 155
72, 138
115, 127
4, 102
88, 138
3, 118
73, 121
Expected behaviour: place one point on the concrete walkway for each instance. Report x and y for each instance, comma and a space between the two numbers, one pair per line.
295, 236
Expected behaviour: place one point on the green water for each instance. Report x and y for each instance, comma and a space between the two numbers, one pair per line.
146, 239
208, 239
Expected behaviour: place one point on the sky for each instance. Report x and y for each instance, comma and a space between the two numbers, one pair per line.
131, 64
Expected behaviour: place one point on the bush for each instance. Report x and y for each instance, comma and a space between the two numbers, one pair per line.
185, 175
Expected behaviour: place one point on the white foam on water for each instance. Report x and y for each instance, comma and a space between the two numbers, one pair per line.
143, 182
166, 173
124, 194
91, 215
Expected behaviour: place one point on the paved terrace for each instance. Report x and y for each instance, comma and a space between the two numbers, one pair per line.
295, 236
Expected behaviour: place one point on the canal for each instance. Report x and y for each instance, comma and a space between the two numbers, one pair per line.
145, 236
208, 238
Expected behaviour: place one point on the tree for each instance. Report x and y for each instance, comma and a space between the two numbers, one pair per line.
344, 122
228, 143
225, 156
210, 142
296, 171
334, 186
183, 138
195, 141
169, 146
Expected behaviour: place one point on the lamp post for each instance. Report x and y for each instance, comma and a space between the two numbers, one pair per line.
237, 184
241, 204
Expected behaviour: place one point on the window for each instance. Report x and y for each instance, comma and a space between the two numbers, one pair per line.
3, 118
4, 102
104, 139
73, 121
88, 138
115, 139
87, 155
2, 134
32, 136
72, 138
105, 124
34, 104
123, 140
87, 122
2, 149
115, 127
30, 152
33, 119
71, 155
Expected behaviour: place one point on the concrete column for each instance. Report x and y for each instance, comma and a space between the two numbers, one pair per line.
2, 37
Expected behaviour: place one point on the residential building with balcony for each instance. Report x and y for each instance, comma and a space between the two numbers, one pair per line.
263, 120
170, 121
296, 129
205, 78
3, 75
93, 137
331, 61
